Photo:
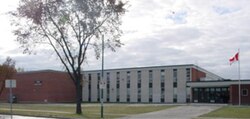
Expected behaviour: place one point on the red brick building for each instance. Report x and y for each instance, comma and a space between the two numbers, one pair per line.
245, 94
46, 86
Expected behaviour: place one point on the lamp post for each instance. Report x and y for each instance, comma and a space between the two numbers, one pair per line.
102, 79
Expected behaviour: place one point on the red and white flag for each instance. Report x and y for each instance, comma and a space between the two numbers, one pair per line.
234, 58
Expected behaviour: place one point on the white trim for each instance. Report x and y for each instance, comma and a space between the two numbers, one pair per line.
243, 91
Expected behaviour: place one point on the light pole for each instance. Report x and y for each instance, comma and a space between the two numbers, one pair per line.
102, 80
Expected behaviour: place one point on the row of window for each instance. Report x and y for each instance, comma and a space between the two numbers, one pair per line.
139, 78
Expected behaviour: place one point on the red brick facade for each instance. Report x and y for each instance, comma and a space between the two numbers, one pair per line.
234, 94
196, 74
42, 87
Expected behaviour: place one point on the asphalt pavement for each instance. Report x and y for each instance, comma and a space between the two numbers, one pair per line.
21, 117
180, 112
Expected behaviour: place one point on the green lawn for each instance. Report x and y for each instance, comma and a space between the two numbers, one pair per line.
89, 110
230, 112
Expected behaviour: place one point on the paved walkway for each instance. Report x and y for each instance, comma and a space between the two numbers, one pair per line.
180, 112
21, 117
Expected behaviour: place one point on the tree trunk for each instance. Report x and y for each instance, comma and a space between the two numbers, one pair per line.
1, 87
78, 95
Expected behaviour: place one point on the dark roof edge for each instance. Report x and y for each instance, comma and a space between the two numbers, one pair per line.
218, 81
39, 71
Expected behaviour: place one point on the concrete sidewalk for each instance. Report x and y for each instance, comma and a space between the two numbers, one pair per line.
180, 112
21, 117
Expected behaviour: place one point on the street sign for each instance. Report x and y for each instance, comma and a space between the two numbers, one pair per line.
10, 83
102, 85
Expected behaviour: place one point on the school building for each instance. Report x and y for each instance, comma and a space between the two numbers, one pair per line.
163, 84
157, 84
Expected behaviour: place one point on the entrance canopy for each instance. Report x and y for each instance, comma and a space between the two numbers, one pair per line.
219, 83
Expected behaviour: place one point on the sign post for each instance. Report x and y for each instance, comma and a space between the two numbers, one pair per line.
10, 83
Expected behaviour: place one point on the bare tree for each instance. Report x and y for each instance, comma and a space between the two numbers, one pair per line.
69, 28
7, 70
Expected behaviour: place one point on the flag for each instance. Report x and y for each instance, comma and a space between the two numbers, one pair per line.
234, 58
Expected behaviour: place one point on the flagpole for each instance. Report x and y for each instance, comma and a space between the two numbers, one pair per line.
239, 78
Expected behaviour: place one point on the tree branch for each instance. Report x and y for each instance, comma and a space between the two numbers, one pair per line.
58, 54
62, 36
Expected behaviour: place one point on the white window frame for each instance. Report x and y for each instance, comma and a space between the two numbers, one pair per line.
243, 91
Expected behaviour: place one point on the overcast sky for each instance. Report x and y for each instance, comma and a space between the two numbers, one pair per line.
161, 32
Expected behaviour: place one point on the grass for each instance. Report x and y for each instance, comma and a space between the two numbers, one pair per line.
89, 110
230, 112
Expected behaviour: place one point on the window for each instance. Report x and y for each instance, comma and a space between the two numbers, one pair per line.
139, 86
128, 79
98, 86
188, 74
128, 85
108, 86
188, 94
175, 84
98, 80
244, 92
139, 99
117, 77
162, 75
175, 95
117, 99
117, 95
108, 78
139, 75
89, 87
150, 85
117, 86
162, 99
128, 94
150, 76
175, 78
38, 82
175, 75
150, 91
150, 99
128, 74
162, 85
139, 91
150, 94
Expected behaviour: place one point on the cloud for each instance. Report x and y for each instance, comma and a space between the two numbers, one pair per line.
206, 34
38, 62
169, 32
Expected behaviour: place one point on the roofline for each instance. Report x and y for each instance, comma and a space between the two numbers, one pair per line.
228, 80
39, 71
129, 68
218, 83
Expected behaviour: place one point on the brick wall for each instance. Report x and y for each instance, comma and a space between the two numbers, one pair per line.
42, 86
196, 74
234, 94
